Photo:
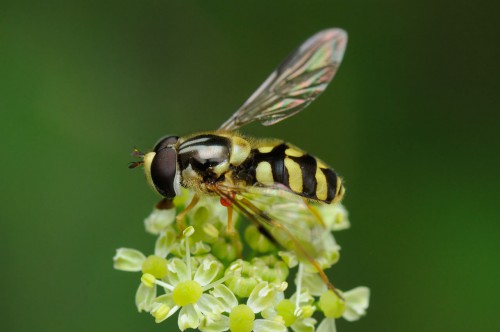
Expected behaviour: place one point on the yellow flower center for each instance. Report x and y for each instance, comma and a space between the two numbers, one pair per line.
155, 266
241, 319
187, 292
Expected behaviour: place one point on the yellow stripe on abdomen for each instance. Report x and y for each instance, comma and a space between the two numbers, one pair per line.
294, 152
321, 185
294, 175
264, 173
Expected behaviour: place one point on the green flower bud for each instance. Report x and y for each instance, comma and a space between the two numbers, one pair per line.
224, 250
189, 231
307, 311
148, 280
160, 313
257, 241
270, 268
243, 279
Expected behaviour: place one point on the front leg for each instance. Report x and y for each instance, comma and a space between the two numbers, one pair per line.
180, 217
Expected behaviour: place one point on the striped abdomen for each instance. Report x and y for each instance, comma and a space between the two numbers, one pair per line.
302, 173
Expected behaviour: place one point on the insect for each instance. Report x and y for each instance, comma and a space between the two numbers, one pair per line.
226, 163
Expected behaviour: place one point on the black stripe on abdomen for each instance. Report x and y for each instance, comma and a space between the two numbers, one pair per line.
331, 180
308, 166
276, 158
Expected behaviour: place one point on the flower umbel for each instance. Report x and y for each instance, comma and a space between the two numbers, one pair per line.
215, 280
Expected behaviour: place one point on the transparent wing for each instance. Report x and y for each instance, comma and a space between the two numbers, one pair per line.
286, 220
295, 83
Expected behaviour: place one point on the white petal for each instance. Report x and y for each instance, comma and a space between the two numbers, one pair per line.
327, 325
214, 323
206, 272
335, 216
269, 313
209, 304
290, 258
200, 248
177, 271
189, 317
304, 325
166, 299
262, 297
327, 242
158, 220
313, 283
165, 242
225, 296
144, 297
305, 297
357, 301
127, 259
265, 325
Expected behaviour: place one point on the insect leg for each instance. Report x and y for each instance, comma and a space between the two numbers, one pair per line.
315, 213
232, 232
230, 226
180, 216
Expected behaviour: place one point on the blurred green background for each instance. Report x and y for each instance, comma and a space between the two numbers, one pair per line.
410, 121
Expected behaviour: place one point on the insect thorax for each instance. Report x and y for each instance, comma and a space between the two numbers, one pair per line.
206, 158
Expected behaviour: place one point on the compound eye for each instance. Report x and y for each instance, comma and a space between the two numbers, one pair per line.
165, 142
164, 170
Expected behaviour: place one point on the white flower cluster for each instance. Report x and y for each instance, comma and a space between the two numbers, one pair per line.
217, 281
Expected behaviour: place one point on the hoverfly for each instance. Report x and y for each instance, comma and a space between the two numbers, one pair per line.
226, 163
